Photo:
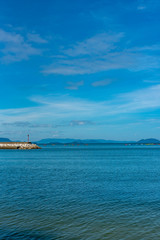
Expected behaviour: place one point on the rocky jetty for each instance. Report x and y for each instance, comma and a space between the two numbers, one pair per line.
18, 145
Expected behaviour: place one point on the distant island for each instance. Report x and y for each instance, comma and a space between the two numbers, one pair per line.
149, 140
83, 141
72, 140
5, 140
94, 141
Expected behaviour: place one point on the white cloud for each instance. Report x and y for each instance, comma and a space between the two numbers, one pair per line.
14, 47
74, 85
102, 83
144, 99
66, 108
151, 81
141, 100
10, 37
155, 47
102, 53
36, 38
148, 5
141, 7
25, 124
80, 122
96, 45
118, 60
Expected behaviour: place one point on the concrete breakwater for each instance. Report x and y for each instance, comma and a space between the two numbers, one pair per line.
18, 145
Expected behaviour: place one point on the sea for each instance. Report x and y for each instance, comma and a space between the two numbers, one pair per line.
80, 192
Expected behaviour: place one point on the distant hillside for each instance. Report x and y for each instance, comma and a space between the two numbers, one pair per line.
5, 140
54, 140
149, 140
70, 140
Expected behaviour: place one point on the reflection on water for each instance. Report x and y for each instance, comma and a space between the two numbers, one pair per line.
80, 192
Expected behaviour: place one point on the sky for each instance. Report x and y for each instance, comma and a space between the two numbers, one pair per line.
80, 69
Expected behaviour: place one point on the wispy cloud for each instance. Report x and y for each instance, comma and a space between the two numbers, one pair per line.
102, 83
144, 99
36, 38
66, 108
14, 47
148, 5
74, 123
119, 60
74, 85
141, 7
96, 45
24, 124
140, 100
151, 81
80, 123
104, 52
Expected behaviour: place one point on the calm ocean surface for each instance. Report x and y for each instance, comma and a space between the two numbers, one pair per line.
90, 192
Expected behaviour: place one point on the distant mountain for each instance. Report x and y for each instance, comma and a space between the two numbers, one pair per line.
149, 140
5, 140
71, 140
54, 140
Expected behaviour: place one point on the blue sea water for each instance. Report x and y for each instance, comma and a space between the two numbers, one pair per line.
92, 192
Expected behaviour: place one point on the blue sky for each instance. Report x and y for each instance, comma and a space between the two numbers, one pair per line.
80, 69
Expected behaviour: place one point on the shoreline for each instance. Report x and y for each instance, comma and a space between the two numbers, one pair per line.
18, 145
